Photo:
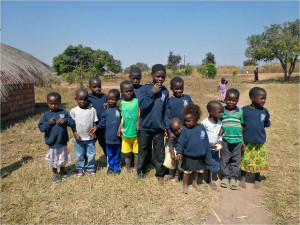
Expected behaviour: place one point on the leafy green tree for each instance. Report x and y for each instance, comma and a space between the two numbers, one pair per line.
173, 61
142, 66
279, 41
188, 70
209, 58
250, 62
208, 70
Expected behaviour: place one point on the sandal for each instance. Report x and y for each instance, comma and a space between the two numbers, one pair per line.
224, 183
233, 184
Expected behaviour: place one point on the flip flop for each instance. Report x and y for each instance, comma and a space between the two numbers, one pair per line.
233, 184
224, 183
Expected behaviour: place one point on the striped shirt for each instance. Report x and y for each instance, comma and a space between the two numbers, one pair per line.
232, 129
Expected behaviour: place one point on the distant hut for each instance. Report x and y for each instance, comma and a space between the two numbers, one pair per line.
109, 74
19, 73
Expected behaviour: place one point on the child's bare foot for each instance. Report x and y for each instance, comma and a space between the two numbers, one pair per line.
185, 189
196, 186
213, 185
242, 183
257, 184
161, 181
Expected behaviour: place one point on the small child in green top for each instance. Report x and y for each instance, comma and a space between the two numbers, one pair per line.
232, 119
129, 124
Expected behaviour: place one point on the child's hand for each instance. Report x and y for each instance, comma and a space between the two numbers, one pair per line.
166, 134
137, 126
60, 121
156, 88
77, 137
92, 136
212, 145
118, 104
52, 121
172, 153
105, 106
172, 136
243, 146
179, 157
119, 133
92, 130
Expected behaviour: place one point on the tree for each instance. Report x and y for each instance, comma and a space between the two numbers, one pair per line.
279, 41
209, 58
142, 66
173, 61
250, 62
208, 70
79, 59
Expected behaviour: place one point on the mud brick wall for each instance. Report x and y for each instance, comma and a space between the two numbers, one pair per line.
20, 102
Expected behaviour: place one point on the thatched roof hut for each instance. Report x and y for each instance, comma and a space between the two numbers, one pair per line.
18, 67
109, 74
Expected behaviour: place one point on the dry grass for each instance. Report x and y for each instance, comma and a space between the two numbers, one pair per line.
28, 195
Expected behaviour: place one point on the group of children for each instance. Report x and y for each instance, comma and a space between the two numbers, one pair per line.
137, 121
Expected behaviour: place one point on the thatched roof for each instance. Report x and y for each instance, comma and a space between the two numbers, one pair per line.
18, 67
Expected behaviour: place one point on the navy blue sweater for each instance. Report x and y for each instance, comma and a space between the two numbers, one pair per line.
56, 136
152, 108
98, 102
255, 121
194, 142
110, 120
174, 109
137, 91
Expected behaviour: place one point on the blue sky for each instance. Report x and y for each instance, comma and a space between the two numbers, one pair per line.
140, 31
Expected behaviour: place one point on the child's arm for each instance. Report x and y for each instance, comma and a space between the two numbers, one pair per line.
146, 99
45, 124
167, 119
69, 120
102, 122
242, 128
180, 144
76, 136
267, 121
208, 158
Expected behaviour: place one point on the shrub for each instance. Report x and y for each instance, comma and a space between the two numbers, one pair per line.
188, 70
234, 73
209, 70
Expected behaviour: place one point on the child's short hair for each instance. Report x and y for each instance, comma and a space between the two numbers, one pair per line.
158, 67
92, 79
254, 91
54, 94
81, 90
212, 105
176, 80
114, 92
125, 82
192, 109
233, 91
135, 70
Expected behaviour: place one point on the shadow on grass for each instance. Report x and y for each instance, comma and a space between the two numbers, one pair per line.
39, 108
280, 80
7, 170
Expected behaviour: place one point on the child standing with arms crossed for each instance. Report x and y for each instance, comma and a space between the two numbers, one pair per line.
222, 89
84, 144
129, 123
193, 146
232, 119
54, 124
256, 118
110, 121
98, 99
152, 102
213, 126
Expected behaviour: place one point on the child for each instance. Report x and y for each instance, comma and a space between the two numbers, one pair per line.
135, 76
193, 146
213, 126
222, 89
170, 159
98, 99
232, 143
129, 124
54, 123
152, 102
256, 118
110, 121
176, 103
84, 144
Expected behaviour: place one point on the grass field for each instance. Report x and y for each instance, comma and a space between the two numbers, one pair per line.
28, 195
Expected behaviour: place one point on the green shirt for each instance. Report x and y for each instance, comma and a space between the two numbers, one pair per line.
130, 115
232, 129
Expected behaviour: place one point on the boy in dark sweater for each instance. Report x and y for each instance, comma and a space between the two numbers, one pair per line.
54, 124
98, 99
135, 76
152, 102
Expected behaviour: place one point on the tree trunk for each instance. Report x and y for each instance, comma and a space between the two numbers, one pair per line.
284, 65
292, 67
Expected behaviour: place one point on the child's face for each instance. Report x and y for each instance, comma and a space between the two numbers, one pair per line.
176, 128
127, 92
95, 87
223, 80
177, 89
158, 77
135, 78
82, 99
231, 100
112, 100
53, 103
189, 120
259, 100
217, 112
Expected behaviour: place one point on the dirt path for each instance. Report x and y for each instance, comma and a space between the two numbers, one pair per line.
240, 206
